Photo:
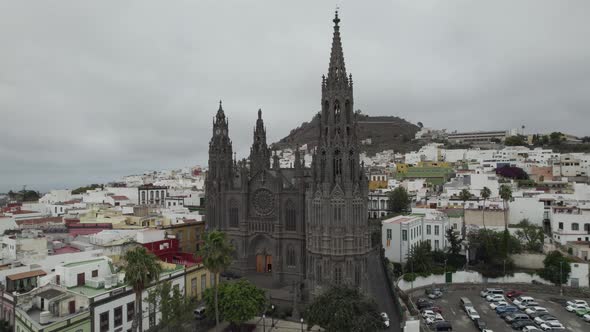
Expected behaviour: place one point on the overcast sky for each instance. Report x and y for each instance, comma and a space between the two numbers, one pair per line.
94, 90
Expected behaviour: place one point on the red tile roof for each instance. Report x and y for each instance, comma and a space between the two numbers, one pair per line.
24, 212
66, 250
120, 198
24, 275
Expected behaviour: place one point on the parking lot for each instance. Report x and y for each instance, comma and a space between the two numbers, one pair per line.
453, 312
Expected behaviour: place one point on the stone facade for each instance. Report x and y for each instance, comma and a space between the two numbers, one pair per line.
297, 224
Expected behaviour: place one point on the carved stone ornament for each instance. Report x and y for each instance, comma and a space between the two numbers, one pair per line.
263, 202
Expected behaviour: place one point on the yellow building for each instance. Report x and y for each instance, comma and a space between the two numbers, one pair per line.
198, 279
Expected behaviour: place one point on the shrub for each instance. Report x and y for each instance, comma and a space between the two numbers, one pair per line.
409, 277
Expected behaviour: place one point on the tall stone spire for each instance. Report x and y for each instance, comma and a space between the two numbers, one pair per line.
337, 69
259, 152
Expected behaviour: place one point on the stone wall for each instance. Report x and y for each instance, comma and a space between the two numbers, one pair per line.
528, 261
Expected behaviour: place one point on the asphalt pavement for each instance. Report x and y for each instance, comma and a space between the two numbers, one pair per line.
381, 293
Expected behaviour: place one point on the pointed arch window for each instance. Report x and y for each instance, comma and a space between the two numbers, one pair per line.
338, 275
234, 215
291, 256
337, 111
290, 216
337, 163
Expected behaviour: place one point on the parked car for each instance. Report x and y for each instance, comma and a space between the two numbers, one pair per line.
489, 291
473, 314
433, 290
200, 312
550, 326
465, 303
442, 326
435, 295
480, 325
530, 310
519, 324
508, 308
385, 319
428, 313
424, 304
530, 328
572, 302
522, 299
575, 307
544, 319
495, 297
513, 293
494, 305
524, 306
433, 319
516, 317
582, 312
586, 317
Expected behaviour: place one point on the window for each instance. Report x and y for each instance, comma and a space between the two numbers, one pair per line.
428, 229
404, 235
118, 316
203, 283
436, 230
560, 225
212, 279
194, 286
290, 257
104, 322
290, 217
436, 244
575, 226
233, 213
130, 311
338, 275
94, 273
357, 275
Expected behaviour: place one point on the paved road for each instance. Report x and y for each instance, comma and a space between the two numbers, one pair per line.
381, 293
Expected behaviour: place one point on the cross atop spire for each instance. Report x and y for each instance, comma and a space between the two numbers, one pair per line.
220, 114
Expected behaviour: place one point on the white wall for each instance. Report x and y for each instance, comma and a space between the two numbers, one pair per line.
579, 272
471, 277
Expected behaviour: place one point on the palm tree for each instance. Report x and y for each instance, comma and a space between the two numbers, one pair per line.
142, 269
464, 195
506, 195
485, 195
217, 256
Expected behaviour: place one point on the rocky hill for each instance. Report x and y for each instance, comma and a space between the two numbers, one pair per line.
385, 132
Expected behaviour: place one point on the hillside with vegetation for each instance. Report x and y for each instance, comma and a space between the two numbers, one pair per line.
385, 132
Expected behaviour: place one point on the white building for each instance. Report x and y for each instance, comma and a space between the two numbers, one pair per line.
400, 234
569, 223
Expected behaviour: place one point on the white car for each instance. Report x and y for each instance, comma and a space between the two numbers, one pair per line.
472, 313
433, 319
530, 328
494, 305
495, 297
544, 319
525, 305
586, 317
385, 319
535, 310
428, 313
572, 302
522, 299
550, 326
573, 307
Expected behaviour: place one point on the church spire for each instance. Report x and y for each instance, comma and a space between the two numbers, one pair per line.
259, 152
337, 69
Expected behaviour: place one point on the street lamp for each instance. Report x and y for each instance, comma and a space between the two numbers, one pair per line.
272, 320
301, 320
263, 322
445, 271
504, 267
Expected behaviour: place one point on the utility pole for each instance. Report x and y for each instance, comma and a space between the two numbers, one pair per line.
560, 277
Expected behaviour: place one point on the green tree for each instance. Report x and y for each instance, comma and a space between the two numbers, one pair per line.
485, 195
217, 256
142, 268
464, 196
237, 302
506, 195
556, 137
556, 268
454, 242
343, 309
399, 200
173, 306
530, 235
490, 252
515, 141
420, 258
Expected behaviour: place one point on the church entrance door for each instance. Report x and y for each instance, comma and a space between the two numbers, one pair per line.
260, 263
268, 264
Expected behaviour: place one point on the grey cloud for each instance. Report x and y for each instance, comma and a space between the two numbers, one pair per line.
95, 90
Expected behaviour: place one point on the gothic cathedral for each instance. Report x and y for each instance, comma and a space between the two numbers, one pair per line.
298, 224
